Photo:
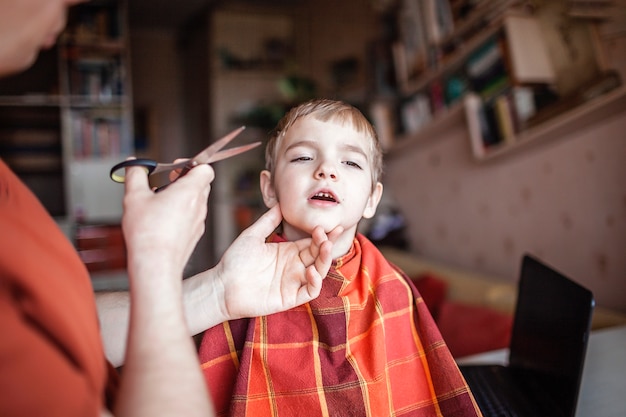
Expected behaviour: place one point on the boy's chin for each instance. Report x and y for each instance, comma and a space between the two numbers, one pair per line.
304, 231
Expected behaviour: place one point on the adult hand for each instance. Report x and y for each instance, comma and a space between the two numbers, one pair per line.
257, 278
163, 228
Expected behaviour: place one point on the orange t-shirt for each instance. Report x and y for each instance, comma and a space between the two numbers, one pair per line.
51, 356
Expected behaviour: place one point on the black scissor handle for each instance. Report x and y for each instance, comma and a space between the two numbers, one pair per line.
118, 172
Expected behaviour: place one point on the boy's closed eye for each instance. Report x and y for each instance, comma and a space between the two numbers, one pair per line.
353, 164
301, 159
350, 163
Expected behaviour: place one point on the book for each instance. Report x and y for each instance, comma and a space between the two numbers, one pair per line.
504, 118
486, 56
437, 96
481, 131
486, 69
412, 32
96, 136
494, 135
524, 103
416, 113
527, 53
438, 20
456, 86
382, 113
445, 17
400, 65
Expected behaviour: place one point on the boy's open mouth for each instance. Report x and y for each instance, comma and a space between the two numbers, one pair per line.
324, 196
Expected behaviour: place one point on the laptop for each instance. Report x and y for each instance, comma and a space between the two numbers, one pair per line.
549, 338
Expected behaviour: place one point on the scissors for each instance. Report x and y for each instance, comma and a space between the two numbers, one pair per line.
211, 154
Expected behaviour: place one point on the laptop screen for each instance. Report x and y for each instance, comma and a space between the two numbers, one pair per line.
550, 331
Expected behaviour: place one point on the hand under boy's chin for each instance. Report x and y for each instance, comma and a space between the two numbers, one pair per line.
291, 232
296, 231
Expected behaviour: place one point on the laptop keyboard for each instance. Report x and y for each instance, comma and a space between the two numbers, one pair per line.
493, 395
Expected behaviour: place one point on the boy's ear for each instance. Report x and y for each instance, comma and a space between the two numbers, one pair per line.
372, 202
267, 189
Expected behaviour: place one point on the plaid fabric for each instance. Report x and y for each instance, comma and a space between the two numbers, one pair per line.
367, 346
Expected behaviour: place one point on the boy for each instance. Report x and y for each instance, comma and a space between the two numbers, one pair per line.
367, 345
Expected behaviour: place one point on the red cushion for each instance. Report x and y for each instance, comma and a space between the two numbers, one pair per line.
433, 290
469, 329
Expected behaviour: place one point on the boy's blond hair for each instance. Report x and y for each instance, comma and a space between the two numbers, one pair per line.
328, 110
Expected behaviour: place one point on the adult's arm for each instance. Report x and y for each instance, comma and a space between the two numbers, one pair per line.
253, 278
161, 374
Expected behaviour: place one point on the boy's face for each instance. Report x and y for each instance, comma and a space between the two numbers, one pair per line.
323, 177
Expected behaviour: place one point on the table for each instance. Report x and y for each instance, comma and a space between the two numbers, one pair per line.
603, 389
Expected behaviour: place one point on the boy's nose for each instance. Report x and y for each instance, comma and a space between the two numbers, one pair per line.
326, 171
324, 175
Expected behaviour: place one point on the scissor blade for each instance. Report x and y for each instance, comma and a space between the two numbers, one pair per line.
204, 157
232, 152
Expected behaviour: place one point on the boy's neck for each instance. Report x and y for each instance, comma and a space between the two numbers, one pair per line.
343, 244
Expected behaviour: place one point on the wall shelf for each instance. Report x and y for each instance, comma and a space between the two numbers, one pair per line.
442, 121
31, 100
576, 119
573, 120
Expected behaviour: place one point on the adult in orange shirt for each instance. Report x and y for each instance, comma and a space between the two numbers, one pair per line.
52, 359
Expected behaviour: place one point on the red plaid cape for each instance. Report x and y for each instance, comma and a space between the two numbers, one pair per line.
367, 346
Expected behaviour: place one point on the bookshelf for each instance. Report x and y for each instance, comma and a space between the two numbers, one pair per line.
497, 70
96, 108
67, 119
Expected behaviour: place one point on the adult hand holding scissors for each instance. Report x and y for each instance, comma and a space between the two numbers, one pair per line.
163, 226
211, 154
